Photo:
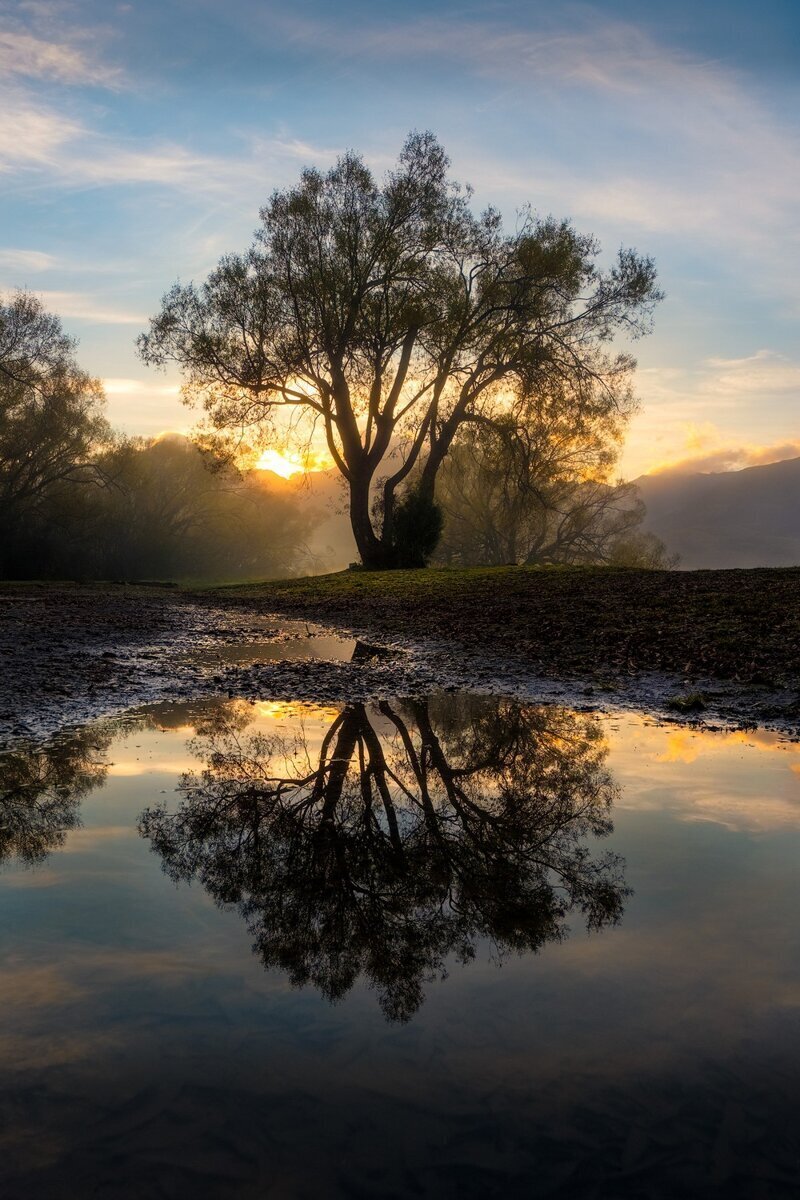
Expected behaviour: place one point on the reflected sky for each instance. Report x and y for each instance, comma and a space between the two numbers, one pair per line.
145, 1046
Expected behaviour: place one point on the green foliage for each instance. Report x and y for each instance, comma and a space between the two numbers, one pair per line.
51, 420
416, 528
77, 502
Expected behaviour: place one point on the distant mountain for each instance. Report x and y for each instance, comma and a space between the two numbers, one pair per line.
748, 518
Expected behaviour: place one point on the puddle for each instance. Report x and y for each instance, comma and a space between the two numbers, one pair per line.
478, 946
293, 649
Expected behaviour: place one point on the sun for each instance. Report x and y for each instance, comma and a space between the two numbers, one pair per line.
287, 465
280, 464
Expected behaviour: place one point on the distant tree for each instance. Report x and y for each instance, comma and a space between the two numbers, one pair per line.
531, 486
51, 415
176, 512
171, 511
392, 315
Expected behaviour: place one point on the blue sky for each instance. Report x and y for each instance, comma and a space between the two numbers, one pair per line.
138, 140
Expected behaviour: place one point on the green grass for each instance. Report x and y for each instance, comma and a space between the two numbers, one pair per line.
435, 582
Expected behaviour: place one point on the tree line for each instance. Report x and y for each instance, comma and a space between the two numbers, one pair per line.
79, 501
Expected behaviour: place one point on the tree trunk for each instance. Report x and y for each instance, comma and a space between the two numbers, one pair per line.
375, 554
436, 456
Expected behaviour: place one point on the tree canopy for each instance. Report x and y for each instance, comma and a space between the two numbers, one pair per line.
79, 501
392, 315
534, 486
51, 411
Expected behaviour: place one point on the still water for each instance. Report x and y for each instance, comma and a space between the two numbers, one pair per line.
461, 947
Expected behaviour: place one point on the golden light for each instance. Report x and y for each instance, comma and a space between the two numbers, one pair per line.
287, 465
279, 464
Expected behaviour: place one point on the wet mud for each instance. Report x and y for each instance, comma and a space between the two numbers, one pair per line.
73, 653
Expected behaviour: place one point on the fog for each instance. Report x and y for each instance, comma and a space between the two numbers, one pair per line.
161, 510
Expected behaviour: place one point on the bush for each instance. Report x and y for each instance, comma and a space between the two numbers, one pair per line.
416, 529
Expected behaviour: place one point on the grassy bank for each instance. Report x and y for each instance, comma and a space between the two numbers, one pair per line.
733, 625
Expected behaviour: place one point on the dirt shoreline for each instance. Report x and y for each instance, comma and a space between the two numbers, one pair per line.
729, 639
594, 640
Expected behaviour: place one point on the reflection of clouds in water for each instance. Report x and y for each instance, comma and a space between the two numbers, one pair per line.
743, 780
167, 1022
278, 710
60, 1013
84, 841
132, 767
26, 987
687, 745
16, 876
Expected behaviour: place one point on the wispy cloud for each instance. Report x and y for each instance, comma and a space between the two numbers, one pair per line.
756, 376
33, 136
34, 261
44, 146
62, 62
80, 306
720, 384
692, 417
720, 165
146, 406
296, 149
41, 146
139, 387
610, 55
715, 161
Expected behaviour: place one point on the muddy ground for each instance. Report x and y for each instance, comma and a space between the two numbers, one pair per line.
69, 653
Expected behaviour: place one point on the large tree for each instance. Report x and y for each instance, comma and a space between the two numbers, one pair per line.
392, 315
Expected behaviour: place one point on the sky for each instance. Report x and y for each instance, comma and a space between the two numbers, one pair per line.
138, 141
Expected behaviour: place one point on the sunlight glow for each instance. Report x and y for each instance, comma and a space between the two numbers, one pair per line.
287, 465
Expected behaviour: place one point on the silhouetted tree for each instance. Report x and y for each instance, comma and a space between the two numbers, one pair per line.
51, 416
41, 788
392, 315
416, 830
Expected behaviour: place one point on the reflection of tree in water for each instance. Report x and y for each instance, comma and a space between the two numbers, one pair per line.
41, 788
415, 830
